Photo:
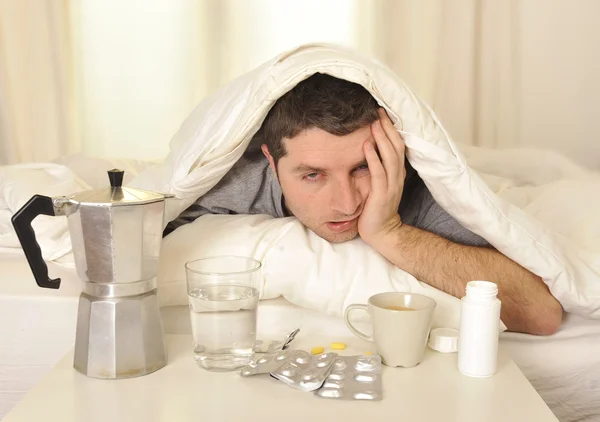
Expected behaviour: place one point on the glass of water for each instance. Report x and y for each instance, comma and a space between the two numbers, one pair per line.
223, 298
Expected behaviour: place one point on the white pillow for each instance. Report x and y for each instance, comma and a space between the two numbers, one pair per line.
297, 264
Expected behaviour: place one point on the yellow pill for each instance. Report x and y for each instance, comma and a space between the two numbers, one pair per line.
368, 353
338, 346
317, 350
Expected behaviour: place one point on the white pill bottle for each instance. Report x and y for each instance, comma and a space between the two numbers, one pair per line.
479, 330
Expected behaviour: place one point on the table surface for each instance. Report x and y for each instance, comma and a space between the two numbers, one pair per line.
181, 391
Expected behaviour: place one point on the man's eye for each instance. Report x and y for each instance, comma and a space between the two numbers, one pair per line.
312, 177
364, 168
361, 171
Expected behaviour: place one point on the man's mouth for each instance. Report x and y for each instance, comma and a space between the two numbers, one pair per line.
341, 226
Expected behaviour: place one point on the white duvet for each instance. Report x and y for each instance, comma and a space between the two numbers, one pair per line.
536, 207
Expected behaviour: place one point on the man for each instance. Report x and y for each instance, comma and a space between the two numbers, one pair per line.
337, 164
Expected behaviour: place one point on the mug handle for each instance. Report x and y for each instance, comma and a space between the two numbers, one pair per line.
355, 331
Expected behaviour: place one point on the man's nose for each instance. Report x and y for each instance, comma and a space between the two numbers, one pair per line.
346, 197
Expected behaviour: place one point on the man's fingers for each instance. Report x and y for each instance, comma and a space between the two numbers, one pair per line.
378, 176
389, 157
391, 132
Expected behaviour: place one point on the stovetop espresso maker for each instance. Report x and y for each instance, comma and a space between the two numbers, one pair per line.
116, 236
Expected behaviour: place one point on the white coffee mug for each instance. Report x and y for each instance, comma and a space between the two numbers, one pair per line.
401, 324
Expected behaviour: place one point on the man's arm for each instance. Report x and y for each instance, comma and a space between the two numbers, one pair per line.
527, 305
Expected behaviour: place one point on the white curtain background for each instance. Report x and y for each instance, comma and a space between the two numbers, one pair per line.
503, 74
143, 65
117, 78
38, 114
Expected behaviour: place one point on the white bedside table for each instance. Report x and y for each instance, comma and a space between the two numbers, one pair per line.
432, 391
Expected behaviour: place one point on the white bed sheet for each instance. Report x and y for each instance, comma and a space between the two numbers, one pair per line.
563, 368
37, 327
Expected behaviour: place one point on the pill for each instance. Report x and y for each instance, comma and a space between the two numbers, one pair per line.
317, 350
368, 353
338, 346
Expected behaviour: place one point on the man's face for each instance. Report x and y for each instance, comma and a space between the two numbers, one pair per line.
325, 180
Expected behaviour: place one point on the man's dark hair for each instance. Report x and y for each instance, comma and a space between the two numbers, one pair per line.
321, 102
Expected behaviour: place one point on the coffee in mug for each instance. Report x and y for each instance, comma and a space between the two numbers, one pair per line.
399, 308
401, 324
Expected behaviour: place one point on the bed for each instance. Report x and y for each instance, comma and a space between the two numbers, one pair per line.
564, 368
535, 207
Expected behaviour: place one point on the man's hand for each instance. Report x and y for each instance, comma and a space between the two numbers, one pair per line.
527, 304
380, 214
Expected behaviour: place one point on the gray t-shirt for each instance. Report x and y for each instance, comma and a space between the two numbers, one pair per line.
251, 188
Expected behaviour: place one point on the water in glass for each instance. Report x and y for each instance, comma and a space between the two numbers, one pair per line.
223, 318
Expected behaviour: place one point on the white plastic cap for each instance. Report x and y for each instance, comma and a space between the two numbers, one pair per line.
444, 340
480, 289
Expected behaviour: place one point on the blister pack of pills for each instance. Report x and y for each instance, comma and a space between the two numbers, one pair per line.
266, 363
296, 368
305, 371
353, 378
327, 374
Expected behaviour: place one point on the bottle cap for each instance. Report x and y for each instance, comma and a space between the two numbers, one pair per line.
480, 289
444, 340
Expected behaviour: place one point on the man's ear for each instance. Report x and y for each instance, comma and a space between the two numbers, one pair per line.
265, 150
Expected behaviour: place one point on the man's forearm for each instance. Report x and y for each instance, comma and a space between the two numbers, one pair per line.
527, 305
